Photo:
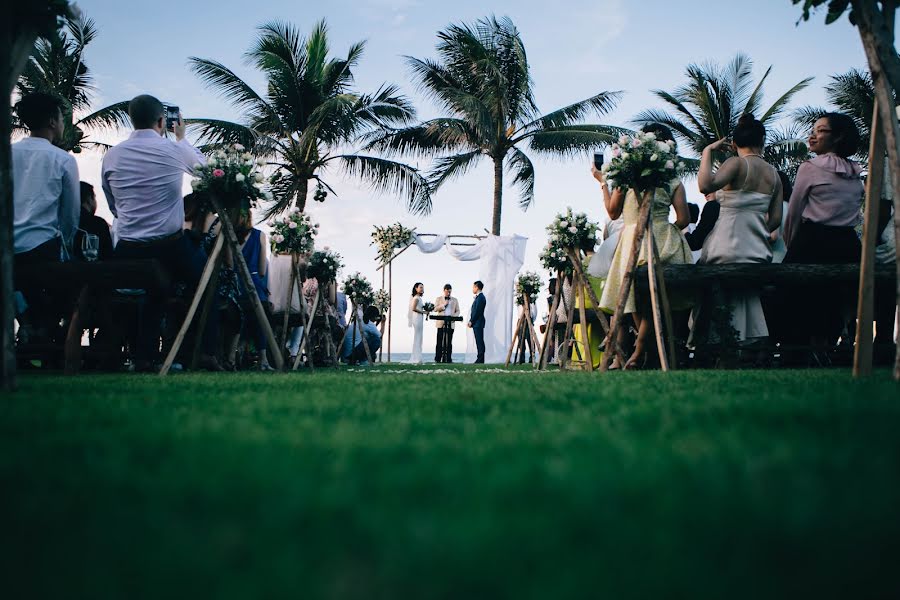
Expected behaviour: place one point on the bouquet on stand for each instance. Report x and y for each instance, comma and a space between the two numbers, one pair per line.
382, 301
640, 162
293, 234
232, 176
324, 266
359, 290
570, 230
529, 283
391, 238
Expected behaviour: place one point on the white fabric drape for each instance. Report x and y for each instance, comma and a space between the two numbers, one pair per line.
464, 253
430, 247
279, 282
501, 259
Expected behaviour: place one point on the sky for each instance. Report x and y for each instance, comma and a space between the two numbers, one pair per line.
575, 49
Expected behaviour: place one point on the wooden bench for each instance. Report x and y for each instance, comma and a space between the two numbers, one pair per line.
90, 279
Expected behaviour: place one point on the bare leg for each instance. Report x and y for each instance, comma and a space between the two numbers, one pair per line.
643, 327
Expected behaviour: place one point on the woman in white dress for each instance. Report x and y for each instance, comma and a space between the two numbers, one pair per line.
416, 318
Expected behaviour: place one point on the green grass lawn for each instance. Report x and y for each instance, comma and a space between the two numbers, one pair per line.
387, 484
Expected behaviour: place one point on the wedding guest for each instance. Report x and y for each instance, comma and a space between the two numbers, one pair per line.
566, 301
448, 306
279, 280
142, 179
525, 340
319, 347
749, 194
341, 309
779, 248
368, 328
253, 248
90, 223
707, 221
822, 214
416, 320
671, 245
594, 332
45, 204
551, 346
477, 321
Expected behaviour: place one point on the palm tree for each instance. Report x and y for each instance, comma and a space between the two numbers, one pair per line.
57, 67
852, 93
482, 81
708, 107
308, 116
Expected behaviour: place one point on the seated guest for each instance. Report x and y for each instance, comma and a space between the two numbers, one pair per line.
142, 178
822, 214
45, 201
253, 247
779, 248
748, 191
90, 223
705, 225
369, 328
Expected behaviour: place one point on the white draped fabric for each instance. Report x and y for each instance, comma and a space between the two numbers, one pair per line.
501, 258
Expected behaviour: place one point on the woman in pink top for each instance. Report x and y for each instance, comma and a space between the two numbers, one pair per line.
820, 229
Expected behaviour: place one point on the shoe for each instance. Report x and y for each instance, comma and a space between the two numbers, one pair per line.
265, 367
209, 363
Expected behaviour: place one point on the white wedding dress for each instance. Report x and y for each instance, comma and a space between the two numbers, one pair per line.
417, 322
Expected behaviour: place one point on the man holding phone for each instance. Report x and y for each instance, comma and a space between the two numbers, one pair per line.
143, 179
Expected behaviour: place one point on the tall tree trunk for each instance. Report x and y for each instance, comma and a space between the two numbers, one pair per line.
498, 195
302, 191
877, 33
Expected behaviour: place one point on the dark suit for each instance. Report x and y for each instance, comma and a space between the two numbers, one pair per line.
476, 318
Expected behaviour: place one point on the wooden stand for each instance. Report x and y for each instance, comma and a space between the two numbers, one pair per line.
524, 327
550, 333
226, 236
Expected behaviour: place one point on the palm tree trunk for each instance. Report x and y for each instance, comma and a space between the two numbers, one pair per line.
498, 195
302, 191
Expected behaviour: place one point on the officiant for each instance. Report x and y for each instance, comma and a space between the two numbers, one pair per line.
448, 306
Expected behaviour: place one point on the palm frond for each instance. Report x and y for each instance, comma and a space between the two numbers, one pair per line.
574, 139
597, 104
426, 139
450, 167
390, 177
114, 116
233, 89
212, 133
779, 105
521, 165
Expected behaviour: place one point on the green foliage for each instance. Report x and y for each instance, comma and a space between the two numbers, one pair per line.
482, 82
836, 9
372, 484
308, 116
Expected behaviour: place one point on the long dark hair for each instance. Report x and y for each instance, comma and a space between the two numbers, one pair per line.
415, 285
845, 133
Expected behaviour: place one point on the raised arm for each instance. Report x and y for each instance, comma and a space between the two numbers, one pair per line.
727, 172
613, 201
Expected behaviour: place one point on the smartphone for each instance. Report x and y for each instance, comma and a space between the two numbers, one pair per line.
598, 160
172, 113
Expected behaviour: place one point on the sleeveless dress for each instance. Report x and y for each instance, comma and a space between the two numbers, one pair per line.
741, 235
670, 243
417, 322
594, 332
251, 251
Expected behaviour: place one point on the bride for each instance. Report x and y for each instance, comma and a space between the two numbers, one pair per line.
416, 317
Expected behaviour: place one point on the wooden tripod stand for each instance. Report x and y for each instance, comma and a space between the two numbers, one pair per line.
210, 275
524, 330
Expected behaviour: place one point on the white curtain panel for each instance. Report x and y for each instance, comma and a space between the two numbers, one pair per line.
430, 246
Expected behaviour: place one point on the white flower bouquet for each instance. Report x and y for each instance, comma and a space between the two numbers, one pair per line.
294, 233
390, 238
572, 230
382, 301
554, 259
642, 163
231, 175
529, 283
359, 290
324, 266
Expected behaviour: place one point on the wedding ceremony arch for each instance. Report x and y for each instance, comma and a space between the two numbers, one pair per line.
500, 258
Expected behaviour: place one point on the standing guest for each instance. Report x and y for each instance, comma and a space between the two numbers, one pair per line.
448, 306
142, 178
45, 202
90, 223
416, 320
820, 229
477, 320
707, 221
672, 247
748, 191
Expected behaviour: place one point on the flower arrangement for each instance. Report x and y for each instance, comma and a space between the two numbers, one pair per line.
572, 230
428, 307
231, 175
359, 290
294, 233
382, 301
324, 266
641, 162
554, 259
390, 238
529, 283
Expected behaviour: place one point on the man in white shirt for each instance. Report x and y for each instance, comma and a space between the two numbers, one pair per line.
449, 307
142, 179
46, 204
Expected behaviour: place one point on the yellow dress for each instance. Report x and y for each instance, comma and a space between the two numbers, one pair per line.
594, 332
671, 244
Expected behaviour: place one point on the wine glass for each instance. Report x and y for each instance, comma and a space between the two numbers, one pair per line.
90, 246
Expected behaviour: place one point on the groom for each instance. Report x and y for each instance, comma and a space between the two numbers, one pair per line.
476, 319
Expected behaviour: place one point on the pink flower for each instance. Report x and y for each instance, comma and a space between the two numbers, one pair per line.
218, 173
